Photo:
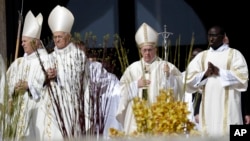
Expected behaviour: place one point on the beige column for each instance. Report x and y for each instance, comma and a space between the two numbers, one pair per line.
3, 39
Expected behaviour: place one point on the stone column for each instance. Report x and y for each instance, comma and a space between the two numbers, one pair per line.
3, 39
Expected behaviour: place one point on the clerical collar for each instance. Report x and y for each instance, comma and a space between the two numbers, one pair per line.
220, 49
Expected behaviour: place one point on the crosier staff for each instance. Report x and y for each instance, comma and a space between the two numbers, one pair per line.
165, 36
20, 19
51, 94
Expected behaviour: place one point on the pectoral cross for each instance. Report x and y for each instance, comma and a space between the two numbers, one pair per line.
146, 77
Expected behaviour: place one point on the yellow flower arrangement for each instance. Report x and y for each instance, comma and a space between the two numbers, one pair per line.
164, 117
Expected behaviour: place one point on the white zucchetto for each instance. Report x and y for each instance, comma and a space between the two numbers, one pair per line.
146, 35
60, 19
32, 25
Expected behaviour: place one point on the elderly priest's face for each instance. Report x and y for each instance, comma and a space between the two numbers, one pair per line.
148, 53
61, 39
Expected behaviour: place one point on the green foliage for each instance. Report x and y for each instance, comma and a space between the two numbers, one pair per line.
10, 114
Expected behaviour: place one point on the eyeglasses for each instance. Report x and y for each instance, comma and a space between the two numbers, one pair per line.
58, 37
147, 50
214, 35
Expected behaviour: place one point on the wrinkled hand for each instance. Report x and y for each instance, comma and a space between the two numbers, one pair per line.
51, 73
21, 85
211, 70
196, 118
166, 69
143, 82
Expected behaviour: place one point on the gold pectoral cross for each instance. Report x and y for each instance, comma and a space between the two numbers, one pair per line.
146, 77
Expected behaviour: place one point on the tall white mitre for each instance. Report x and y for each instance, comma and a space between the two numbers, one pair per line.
60, 19
146, 35
32, 25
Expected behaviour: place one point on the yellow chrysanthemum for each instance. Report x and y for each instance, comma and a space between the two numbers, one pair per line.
164, 117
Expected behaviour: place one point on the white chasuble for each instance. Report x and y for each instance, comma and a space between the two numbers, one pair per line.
62, 103
129, 88
221, 95
27, 68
